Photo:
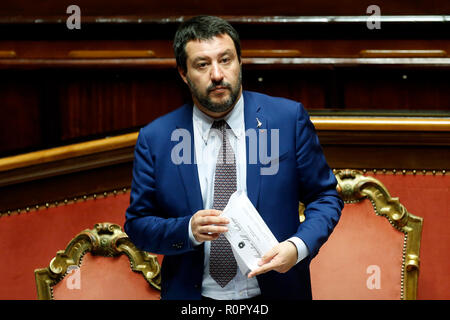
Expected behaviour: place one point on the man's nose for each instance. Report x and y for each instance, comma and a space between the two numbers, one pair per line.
216, 73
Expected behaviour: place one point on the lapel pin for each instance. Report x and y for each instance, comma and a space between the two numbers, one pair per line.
258, 123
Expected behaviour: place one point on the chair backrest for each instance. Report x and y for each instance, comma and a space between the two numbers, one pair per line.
99, 264
373, 252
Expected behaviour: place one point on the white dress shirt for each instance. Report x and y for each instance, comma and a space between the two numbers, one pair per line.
207, 144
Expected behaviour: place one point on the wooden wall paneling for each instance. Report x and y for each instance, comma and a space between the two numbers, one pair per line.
319, 60
89, 167
20, 98
65, 179
306, 86
402, 53
82, 103
76, 104
112, 100
115, 176
49, 115
357, 88
56, 9
93, 104
406, 89
387, 157
67, 186
72, 48
295, 44
339, 46
7, 54
105, 54
335, 89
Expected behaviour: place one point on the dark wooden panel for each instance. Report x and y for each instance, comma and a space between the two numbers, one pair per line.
70, 99
114, 176
388, 157
359, 88
47, 108
405, 150
410, 139
298, 45
104, 165
110, 101
106, 8
311, 87
20, 102
396, 89
67, 186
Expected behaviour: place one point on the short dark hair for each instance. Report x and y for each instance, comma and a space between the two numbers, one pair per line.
202, 28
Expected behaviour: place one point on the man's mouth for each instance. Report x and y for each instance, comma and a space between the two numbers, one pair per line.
219, 89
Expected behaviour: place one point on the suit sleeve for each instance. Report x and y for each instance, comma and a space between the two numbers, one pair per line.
317, 187
148, 227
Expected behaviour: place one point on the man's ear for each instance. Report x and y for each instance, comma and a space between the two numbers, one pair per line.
182, 74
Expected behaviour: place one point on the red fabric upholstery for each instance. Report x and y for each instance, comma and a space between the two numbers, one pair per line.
30, 240
105, 278
427, 196
361, 245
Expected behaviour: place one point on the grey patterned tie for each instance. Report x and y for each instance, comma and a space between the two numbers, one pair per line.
222, 264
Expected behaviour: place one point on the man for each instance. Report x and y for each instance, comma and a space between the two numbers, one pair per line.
189, 162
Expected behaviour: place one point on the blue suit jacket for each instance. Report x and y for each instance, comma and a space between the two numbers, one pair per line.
165, 195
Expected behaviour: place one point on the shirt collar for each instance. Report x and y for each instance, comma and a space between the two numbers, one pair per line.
235, 120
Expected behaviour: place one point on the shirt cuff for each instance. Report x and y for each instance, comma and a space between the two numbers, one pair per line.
302, 249
191, 235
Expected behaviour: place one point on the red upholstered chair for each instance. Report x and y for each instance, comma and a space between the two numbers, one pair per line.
373, 252
100, 263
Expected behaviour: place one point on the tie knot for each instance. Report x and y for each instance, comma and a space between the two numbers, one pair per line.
220, 125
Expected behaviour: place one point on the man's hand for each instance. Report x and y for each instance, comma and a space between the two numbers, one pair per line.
207, 225
280, 258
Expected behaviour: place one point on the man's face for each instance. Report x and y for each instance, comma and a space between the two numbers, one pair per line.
213, 74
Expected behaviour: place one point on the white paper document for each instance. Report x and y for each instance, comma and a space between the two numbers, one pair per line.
248, 234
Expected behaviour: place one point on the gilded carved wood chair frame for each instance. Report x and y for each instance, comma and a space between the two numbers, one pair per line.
105, 239
354, 187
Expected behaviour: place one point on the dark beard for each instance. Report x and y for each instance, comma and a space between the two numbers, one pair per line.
205, 100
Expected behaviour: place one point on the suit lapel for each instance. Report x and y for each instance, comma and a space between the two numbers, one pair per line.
189, 172
254, 121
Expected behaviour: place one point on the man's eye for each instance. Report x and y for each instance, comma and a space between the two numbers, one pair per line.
202, 65
226, 60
